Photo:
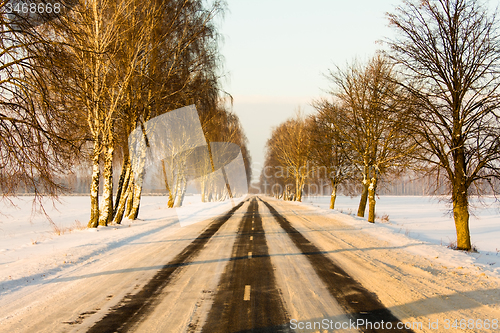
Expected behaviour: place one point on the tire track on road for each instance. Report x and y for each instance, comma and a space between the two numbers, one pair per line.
133, 308
248, 299
356, 300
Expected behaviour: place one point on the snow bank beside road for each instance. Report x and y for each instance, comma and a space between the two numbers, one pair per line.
425, 220
32, 251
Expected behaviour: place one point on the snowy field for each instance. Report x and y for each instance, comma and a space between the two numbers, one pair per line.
402, 220
31, 244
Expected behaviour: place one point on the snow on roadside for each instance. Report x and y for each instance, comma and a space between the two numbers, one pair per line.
412, 220
32, 248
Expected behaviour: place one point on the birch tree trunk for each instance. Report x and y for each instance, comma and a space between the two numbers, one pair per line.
136, 202
122, 183
203, 183
121, 200
138, 177
170, 203
178, 185
181, 191
106, 216
226, 180
130, 194
94, 188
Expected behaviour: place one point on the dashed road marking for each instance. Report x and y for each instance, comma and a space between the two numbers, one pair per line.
251, 237
246, 296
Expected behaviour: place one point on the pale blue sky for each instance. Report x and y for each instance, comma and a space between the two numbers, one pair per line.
276, 53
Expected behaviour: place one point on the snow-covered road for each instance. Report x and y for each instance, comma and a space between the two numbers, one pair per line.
276, 266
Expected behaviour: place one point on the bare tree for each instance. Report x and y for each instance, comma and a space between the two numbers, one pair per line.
36, 143
328, 154
222, 127
90, 35
122, 63
272, 181
289, 146
370, 117
179, 67
449, 54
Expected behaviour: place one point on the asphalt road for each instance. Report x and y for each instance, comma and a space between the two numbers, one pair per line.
248, 297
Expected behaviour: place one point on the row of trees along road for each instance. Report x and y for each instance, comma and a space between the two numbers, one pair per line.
75, 85
430, 102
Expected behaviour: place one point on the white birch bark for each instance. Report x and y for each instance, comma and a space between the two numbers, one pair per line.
94, 189
106, 215
122, 199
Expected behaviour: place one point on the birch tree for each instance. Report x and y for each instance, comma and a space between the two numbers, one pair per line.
223, 127
179, 65
36, 144
91, 37
449, 54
